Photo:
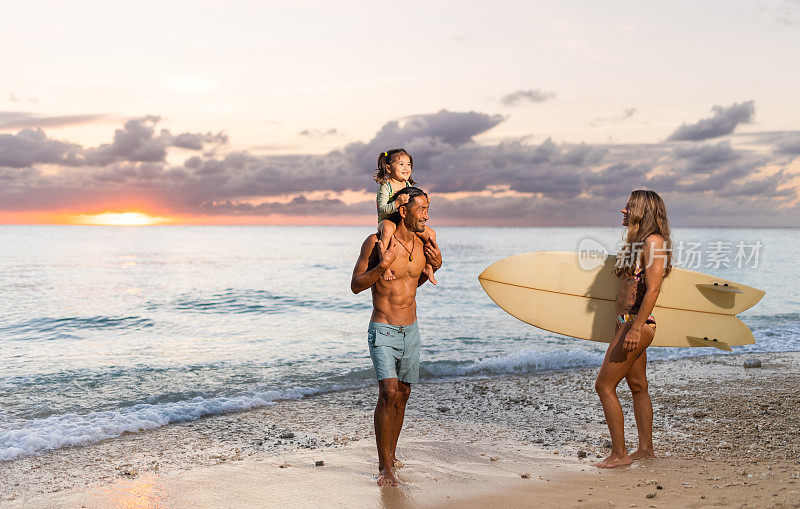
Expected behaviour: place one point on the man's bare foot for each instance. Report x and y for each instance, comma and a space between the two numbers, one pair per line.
388, 276
387, 478
640, 454
614, 461
429, 272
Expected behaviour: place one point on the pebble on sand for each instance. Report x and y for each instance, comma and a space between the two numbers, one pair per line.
752, 363
582, 454
287, 434
525, 476
128, 470
319, 463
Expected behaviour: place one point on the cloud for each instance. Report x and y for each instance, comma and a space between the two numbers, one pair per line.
531, 95
704, 158
14, 175
196, 141
511, 182
318, 132
548, 167
14, 98
24, 120
450, 128
138, 141
789, 143
626, 114
298, 206
787, 12
723, 122
32, 146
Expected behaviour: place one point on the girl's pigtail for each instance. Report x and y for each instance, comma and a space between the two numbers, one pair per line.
380, 171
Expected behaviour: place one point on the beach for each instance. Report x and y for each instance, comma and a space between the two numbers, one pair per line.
725, 435
184, 366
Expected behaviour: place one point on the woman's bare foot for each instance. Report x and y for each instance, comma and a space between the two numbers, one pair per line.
641, 454
429, 272
614, 461
388, 276
387, 478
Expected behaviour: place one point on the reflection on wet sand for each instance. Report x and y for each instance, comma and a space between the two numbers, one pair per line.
395, 497
142, 492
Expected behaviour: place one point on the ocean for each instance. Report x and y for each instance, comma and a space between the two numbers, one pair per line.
107, 330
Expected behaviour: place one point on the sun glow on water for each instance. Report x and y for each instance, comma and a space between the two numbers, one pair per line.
120, 219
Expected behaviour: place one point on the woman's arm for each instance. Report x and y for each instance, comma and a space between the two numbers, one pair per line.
654, 256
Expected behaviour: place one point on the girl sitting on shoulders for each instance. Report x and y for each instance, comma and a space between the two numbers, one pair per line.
392, 174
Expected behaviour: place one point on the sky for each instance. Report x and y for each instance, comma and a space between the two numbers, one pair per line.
516, 113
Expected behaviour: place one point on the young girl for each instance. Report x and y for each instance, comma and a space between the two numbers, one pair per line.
642, 264
392, 174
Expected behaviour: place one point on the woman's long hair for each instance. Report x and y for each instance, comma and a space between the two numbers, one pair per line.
381, 174
647, 215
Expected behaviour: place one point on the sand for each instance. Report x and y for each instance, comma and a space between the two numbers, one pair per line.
725, 436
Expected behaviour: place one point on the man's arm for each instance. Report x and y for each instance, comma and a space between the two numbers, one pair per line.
363, 276
434, 257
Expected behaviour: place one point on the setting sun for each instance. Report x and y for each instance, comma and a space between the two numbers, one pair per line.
119, 219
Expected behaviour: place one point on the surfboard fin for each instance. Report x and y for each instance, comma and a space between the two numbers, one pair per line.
724, 287
712, 342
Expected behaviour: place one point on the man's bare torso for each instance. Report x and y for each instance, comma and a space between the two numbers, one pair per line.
394, 301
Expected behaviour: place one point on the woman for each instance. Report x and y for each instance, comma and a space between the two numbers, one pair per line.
643, 262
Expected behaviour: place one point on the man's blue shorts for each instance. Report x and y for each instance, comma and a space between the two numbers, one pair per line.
394, 350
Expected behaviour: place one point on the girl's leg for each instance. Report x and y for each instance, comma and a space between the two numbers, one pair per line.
426, 236
616, 365
642, 407
386, 229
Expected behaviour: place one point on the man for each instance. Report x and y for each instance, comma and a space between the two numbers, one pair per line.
393, 336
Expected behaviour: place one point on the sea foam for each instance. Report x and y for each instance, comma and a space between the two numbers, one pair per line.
65, 430
523, 361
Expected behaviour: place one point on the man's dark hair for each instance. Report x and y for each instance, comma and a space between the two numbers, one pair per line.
412, 193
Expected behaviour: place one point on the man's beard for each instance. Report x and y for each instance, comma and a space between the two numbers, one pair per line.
416, 227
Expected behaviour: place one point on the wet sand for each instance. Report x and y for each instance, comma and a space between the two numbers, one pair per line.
725, 435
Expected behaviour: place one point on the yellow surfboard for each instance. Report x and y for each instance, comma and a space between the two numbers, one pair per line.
552, 291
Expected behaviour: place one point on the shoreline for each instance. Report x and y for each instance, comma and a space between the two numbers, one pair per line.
711, 414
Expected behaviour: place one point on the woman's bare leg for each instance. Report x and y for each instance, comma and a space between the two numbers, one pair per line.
386, 229
642, 407
616, 365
